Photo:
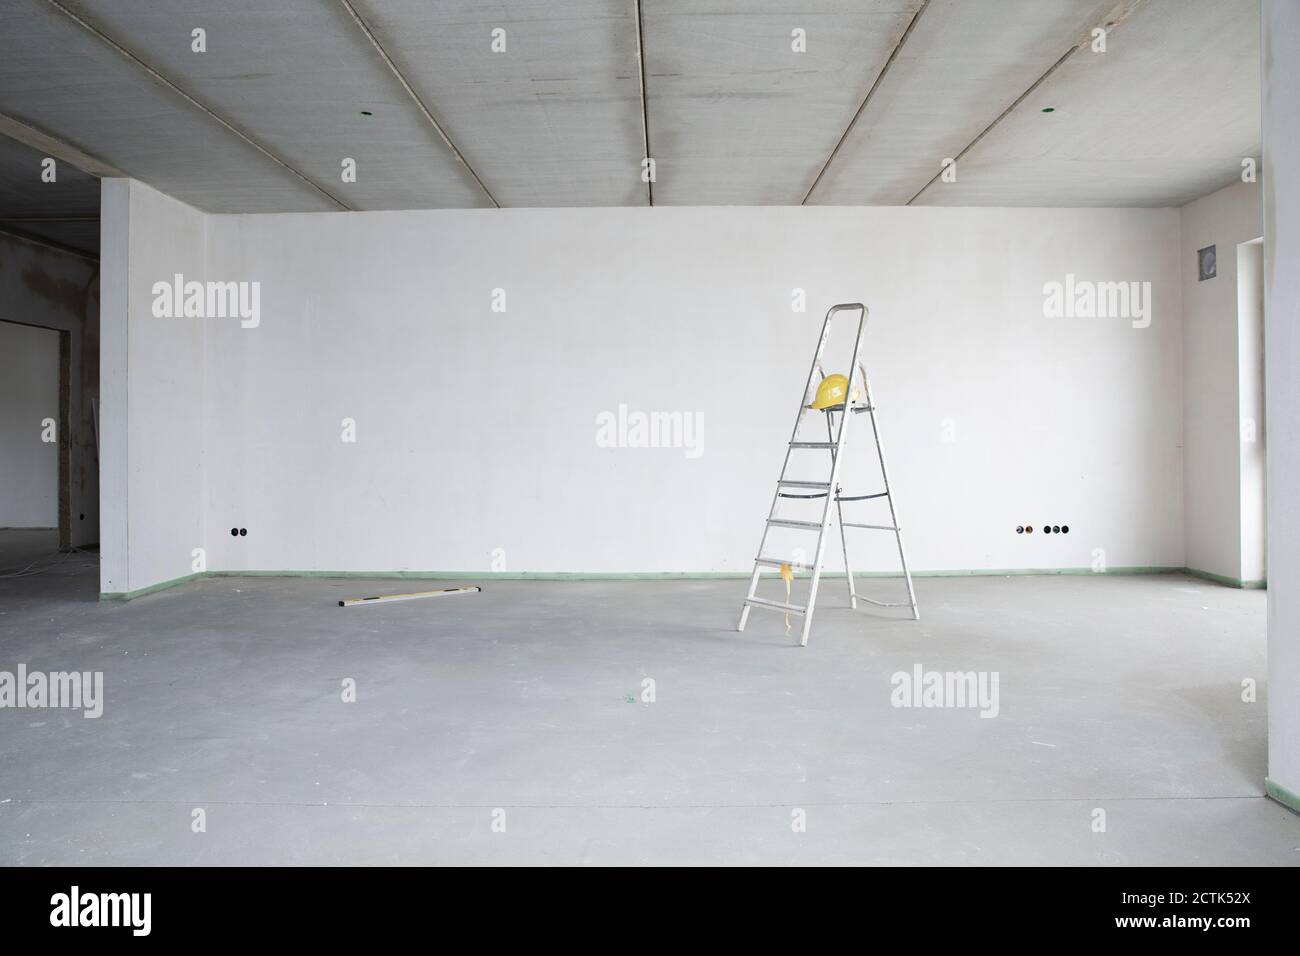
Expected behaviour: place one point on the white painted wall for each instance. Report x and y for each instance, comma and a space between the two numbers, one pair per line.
54, 290
1213, 455
29, 395
1282, 386
114, 325
152, 373
476, 430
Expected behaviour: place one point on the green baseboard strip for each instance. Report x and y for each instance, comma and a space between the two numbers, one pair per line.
1282, 795
1256, 585
494, 575
1011, 572
674, 575
615, 575
151, 589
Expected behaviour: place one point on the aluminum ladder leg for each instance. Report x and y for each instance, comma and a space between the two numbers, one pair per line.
893, 525
835, 443
828, 488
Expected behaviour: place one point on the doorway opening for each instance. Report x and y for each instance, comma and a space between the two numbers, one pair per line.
1250, 402
35, 450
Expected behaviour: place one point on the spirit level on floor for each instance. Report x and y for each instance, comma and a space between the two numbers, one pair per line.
414, 596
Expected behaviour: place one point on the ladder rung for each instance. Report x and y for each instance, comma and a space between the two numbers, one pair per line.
777, 562
789, 523
777, 605
874, 527
823, 485
812, 444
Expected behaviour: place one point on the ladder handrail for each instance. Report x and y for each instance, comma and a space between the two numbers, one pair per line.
837, 458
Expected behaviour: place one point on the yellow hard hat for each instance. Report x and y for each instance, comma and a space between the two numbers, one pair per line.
832, 391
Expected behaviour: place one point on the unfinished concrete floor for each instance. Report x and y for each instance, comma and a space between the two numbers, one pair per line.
1118, 693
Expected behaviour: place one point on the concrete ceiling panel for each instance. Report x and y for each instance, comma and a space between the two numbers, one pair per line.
76, 236
737, 116
965, 62
1164, 116
26, 196
552, 120
23, 191
59, 78
296, 75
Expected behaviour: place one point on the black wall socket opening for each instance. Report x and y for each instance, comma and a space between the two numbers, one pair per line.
1047, 529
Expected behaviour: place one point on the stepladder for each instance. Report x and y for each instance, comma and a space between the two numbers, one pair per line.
811, 474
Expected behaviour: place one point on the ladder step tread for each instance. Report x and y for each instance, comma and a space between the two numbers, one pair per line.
812, 444
791, 523
777, 562
874, 527
776, 605
825, 485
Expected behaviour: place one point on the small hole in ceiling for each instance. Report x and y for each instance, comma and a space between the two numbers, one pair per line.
367, 113
1049, 109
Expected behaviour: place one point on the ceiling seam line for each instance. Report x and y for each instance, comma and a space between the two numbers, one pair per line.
415, 97
645, 111
164, 81
55, 148
1111, 21
48, 244
880, 78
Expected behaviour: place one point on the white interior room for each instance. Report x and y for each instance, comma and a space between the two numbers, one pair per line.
508, 310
